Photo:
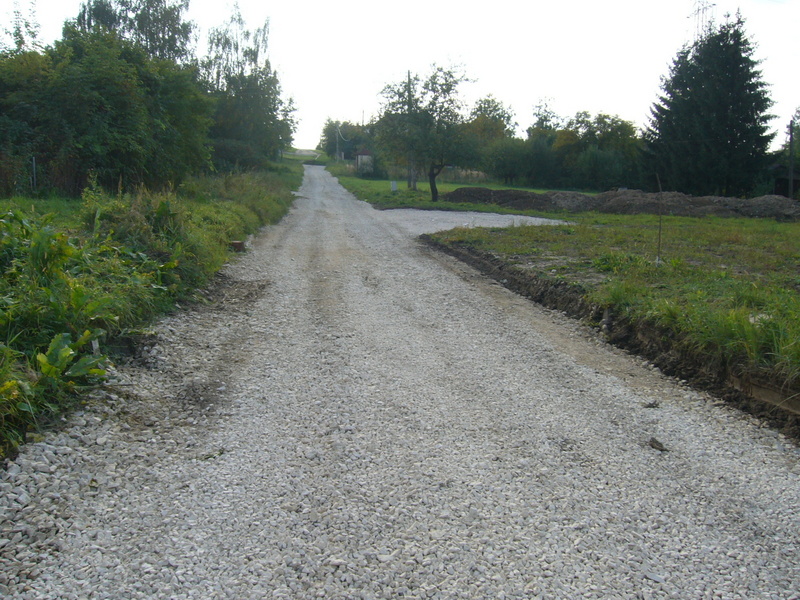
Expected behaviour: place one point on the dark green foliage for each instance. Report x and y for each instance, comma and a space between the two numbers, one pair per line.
23, 80
345, 138
507, 159
585, 152
708, 132
95, 103
488, 124
252, 123
492, 118
95, 116
157, 26
421, 124
121, 99
786, 162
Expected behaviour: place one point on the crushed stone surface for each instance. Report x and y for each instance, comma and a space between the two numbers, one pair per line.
353, 416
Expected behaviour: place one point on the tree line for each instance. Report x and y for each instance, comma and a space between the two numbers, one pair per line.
707, 134
123, 99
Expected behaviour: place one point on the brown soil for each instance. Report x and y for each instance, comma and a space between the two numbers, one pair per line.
659, 346
633, 202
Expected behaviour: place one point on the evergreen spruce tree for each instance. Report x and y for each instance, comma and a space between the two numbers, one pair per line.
708, 132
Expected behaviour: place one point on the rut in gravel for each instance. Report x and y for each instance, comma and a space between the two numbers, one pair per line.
379, 421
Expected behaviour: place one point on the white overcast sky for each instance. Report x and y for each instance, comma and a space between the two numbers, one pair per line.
333, 58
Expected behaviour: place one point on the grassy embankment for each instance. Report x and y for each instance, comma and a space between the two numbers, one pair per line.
78, 273
725, 289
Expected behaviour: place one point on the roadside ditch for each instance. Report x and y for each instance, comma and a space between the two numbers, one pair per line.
776, 403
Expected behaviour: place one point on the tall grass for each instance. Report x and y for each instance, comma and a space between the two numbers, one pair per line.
75, 280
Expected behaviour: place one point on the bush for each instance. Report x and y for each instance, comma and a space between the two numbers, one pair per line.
65, 296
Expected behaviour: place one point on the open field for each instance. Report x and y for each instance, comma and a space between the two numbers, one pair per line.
378, 192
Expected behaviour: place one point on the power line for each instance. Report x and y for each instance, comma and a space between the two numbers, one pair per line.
702, 8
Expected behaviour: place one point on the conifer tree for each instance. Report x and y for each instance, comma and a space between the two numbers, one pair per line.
708, 132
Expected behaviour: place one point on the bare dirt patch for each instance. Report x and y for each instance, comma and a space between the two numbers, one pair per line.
627, 202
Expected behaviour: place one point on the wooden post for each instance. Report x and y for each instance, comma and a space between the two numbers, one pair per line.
660, 219
791, 160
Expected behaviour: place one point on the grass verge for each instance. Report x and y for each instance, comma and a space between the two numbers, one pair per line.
77, 274
725, 291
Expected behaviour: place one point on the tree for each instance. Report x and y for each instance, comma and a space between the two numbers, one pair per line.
421, 122
24, 31
708, 131
156, 25
252, 123
795, 136
605, 151
489, 122
23, 77
97, 103
506, 159
491, 119
345, 139
543, 166
786, 161
180, 117
94, 111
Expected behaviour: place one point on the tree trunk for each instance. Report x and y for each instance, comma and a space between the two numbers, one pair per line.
433, 172
412, 173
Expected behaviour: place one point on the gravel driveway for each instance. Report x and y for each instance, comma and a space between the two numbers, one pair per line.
359, 417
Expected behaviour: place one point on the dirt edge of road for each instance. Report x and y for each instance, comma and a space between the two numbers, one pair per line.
776, 405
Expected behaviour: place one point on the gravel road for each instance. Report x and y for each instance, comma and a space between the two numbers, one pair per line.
357, 416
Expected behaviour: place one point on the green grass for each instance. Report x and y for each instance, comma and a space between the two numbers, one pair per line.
92, 269
63, 209
728, 287
379, 193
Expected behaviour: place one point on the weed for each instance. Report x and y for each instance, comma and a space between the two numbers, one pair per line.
123, 259
614, 262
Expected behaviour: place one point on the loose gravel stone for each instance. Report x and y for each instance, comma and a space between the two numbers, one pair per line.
354, 416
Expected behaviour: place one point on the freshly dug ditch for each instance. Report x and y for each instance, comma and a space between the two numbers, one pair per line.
776, 402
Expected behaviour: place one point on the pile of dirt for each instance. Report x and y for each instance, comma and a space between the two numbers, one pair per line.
629, 202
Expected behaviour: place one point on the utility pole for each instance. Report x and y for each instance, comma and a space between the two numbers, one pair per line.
701, 18
339, 156
791, 159
412, 176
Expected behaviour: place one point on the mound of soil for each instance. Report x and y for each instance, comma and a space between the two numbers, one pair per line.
629, 202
